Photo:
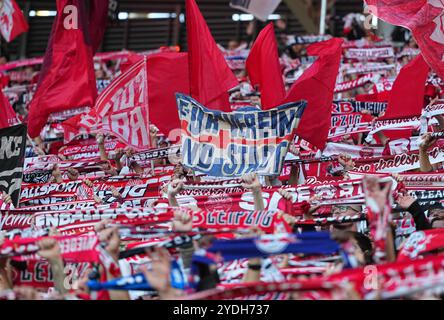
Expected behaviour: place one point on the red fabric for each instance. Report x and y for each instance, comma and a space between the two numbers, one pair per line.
4, 80
316, 86
210, 76
167, 74
78, 248
98, 17
8, 117
12, 21
122, 108
423, 18
67, 79
396, 134
71, 127
264, 68
407, 95
420, 243
131, 59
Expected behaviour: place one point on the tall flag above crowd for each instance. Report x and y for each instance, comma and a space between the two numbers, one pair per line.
261, 9
423, 18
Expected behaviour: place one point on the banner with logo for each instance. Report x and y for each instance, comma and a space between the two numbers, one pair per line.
122, 109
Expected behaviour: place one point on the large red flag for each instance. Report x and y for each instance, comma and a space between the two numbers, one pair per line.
424, 18
67, 79
264, 69
316, 86
210, 76
407, 95
167, 75
122, 108
12, 21
8, 116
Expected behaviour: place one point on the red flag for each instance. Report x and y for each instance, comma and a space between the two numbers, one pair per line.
210, 76
12, 21
264, 69
122, 108
67, 79
316, 86
8, 116
98, 19
167, 74
407, 94
424, 18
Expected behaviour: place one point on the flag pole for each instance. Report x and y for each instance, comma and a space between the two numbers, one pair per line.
323, 16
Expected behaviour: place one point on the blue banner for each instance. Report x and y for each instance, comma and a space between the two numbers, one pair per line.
232, 144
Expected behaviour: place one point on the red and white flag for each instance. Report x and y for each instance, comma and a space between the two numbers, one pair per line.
122, 109
12, 21
316, 86
264, 69
210, 75
424, 18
